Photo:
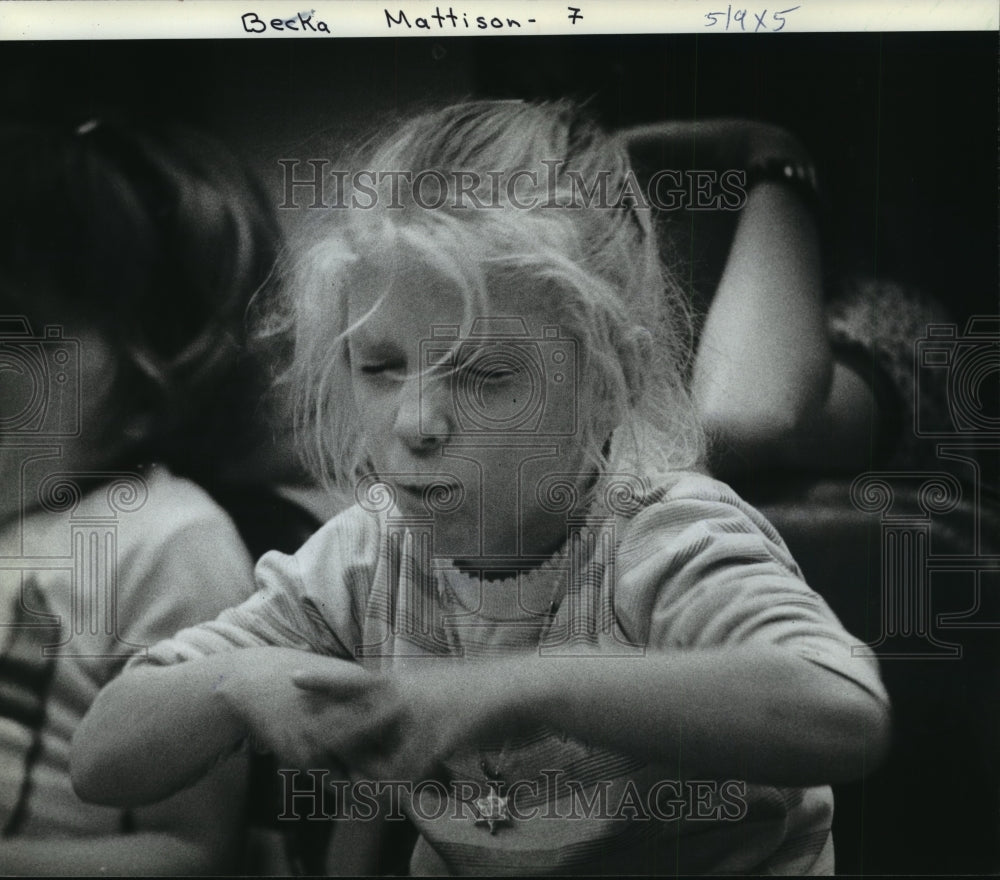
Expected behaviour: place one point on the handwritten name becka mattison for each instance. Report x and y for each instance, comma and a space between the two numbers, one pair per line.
303, 22
450, 20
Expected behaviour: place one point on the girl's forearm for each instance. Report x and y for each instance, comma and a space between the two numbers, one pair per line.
155, 730
764, 363
760, 714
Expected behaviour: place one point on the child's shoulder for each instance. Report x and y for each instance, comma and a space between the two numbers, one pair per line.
696, 559
150, 505
161, 515
349, 539
682, 498
687, 516
156, 505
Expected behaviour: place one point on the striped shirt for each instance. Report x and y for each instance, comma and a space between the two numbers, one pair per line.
688, 565
160, 556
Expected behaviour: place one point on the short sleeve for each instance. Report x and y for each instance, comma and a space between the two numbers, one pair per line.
703, 569
308, 600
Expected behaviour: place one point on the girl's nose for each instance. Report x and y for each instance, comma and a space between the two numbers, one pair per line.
423, 419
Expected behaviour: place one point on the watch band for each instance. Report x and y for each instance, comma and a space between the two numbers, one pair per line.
799, 176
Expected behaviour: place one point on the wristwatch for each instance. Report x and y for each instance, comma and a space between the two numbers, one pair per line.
798, 175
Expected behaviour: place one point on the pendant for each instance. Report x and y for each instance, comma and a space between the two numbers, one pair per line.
492, 809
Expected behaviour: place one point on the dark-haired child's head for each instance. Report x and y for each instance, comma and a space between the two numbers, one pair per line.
145, 246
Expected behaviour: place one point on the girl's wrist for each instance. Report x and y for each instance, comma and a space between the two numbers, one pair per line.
776, 157
795, 177
530, 691
499, 697
228, 691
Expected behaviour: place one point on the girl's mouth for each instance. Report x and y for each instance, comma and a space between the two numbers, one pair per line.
419, 489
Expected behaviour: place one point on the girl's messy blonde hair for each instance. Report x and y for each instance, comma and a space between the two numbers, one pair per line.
470, 210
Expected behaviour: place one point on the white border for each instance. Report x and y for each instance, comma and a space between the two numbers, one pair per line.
210, 19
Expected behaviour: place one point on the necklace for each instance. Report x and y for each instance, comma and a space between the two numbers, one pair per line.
492, 807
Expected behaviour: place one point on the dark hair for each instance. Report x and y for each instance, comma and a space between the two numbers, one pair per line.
156, 237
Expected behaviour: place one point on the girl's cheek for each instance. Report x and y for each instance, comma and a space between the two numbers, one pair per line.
376, 408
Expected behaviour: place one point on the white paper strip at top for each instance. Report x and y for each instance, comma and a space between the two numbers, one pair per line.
287, 19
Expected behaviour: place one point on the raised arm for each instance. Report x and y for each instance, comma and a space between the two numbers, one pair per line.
766, 380
769, 387
763, 366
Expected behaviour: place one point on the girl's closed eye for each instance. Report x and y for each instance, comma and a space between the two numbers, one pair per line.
377, 361
388, 368
494, 368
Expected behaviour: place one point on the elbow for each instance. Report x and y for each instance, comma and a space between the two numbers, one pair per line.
770, 415
766, 418
745, 440
95, 760
85, 770
875, 725
860, 739
842, 729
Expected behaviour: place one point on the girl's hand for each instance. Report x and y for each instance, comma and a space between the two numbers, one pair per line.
278, 717
403, 726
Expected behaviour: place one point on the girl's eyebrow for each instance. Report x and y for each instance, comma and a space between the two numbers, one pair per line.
375, 349
362, 336
378, 350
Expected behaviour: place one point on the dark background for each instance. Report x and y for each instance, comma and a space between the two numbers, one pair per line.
903, 127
